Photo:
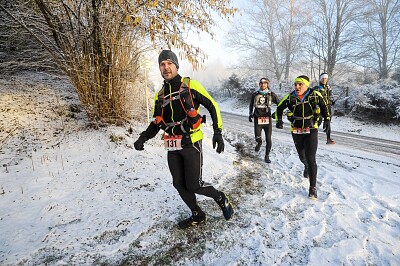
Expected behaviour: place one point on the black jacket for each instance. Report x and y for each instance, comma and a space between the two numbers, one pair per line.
260, 103
305, 111
175, 112
326, 92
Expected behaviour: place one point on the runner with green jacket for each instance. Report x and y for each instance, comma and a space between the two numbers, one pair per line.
305, 105
176, 112
326, 91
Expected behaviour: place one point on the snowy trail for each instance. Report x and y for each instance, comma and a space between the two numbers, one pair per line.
275, 222
333, 222
89, 201
391, 148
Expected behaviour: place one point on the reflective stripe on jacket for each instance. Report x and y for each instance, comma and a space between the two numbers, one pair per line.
175, 112
303, 109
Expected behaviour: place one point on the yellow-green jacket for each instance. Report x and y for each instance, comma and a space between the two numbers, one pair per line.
303, 112
168, 104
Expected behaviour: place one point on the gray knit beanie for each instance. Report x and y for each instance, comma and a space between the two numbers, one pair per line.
169, 56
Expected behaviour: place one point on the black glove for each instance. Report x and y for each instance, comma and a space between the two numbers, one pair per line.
139, 144
290, 117
218, 141
250, 118
326, 125
279, 124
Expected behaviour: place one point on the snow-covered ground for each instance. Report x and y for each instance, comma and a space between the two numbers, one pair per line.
72, 195
340, 124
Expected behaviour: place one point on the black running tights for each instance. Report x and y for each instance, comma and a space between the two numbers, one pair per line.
306, 146
268, 133
185, 166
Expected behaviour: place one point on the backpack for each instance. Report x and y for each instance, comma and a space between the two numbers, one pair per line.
192, 119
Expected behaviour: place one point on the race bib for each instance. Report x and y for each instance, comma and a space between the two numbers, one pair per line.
173, 143
297, 130
263, 120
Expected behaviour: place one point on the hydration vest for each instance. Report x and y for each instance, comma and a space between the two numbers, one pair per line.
184, 95
263, 100
309, 100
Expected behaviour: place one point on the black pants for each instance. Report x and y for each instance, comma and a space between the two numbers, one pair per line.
185, 166
328, 130
306, 146
268, 133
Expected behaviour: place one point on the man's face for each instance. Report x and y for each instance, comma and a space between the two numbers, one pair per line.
324, 81
168, 70
264, 85
300, 88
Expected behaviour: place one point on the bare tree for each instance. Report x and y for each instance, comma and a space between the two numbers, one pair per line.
290, 39
269, 34
379, 36
18, 48
332, 32
98, 43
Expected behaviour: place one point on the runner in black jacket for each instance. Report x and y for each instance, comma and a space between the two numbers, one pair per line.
260, 110
325, 89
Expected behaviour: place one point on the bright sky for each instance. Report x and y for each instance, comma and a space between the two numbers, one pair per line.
219, 60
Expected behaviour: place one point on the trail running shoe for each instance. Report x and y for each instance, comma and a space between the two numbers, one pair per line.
312, 193
225, 205
258, 146
330, 141
197, 218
